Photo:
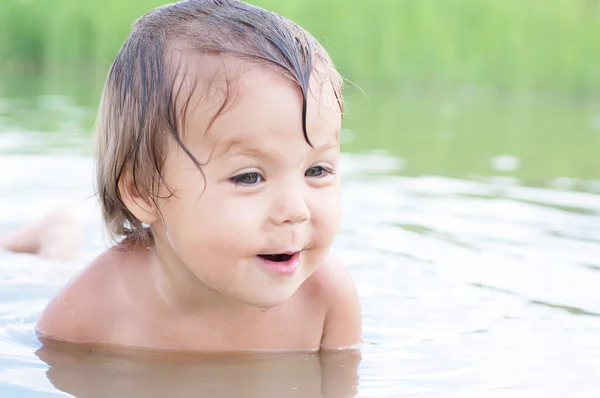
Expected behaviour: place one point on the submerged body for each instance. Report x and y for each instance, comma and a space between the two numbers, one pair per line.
143, 374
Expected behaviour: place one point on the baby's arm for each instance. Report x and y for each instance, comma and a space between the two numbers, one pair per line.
343, 319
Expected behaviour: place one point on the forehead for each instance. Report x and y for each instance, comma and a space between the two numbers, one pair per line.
246, 102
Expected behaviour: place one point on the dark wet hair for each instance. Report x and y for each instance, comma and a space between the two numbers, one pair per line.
141, 106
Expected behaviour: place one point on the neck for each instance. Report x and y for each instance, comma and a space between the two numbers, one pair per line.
184, 293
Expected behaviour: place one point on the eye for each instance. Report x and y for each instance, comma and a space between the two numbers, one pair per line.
317, 171
247, 179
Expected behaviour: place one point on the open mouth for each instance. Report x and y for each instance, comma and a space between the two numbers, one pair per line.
282, 263
277, 258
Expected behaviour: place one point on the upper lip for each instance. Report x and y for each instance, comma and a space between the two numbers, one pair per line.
272, 253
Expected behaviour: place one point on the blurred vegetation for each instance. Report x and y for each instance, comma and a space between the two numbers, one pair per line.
450, 84
503, 45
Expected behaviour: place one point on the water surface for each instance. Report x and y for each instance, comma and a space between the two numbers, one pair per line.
475, 280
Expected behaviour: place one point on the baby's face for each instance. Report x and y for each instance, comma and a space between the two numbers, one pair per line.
263, 216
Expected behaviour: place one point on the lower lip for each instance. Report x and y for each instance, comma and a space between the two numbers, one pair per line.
283, 267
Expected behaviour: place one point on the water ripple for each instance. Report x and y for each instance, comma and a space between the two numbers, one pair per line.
466, 286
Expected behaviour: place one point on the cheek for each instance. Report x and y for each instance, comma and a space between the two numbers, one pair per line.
218, 222
327, 214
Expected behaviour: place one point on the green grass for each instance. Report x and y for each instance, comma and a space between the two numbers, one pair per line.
453, 136
452, 83
526, 46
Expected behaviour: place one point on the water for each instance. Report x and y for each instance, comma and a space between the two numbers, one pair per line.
483, 285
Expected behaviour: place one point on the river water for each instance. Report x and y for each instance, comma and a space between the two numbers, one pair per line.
471, 285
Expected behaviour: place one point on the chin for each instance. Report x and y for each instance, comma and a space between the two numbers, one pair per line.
266, 303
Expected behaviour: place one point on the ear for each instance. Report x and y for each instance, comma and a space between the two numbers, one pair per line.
138, 203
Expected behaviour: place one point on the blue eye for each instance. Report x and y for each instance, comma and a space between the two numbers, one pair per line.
317, 171
247, 179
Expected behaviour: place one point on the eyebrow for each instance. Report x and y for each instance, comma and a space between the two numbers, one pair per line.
244, 149
252, 151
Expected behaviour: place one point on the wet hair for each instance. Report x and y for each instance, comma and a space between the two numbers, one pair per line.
141, 106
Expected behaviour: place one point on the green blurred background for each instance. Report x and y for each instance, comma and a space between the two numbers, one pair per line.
453, 87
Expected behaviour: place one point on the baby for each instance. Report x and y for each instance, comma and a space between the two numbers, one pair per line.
218, 177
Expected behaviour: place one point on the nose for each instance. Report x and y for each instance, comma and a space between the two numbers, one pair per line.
289, 205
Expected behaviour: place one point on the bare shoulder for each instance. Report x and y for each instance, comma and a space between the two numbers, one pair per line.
331, 279
332, 283
83, 310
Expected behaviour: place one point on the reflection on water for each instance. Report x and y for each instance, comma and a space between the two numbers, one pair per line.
484, 285
81, 373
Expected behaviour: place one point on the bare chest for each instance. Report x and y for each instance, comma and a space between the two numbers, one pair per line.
280, 329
